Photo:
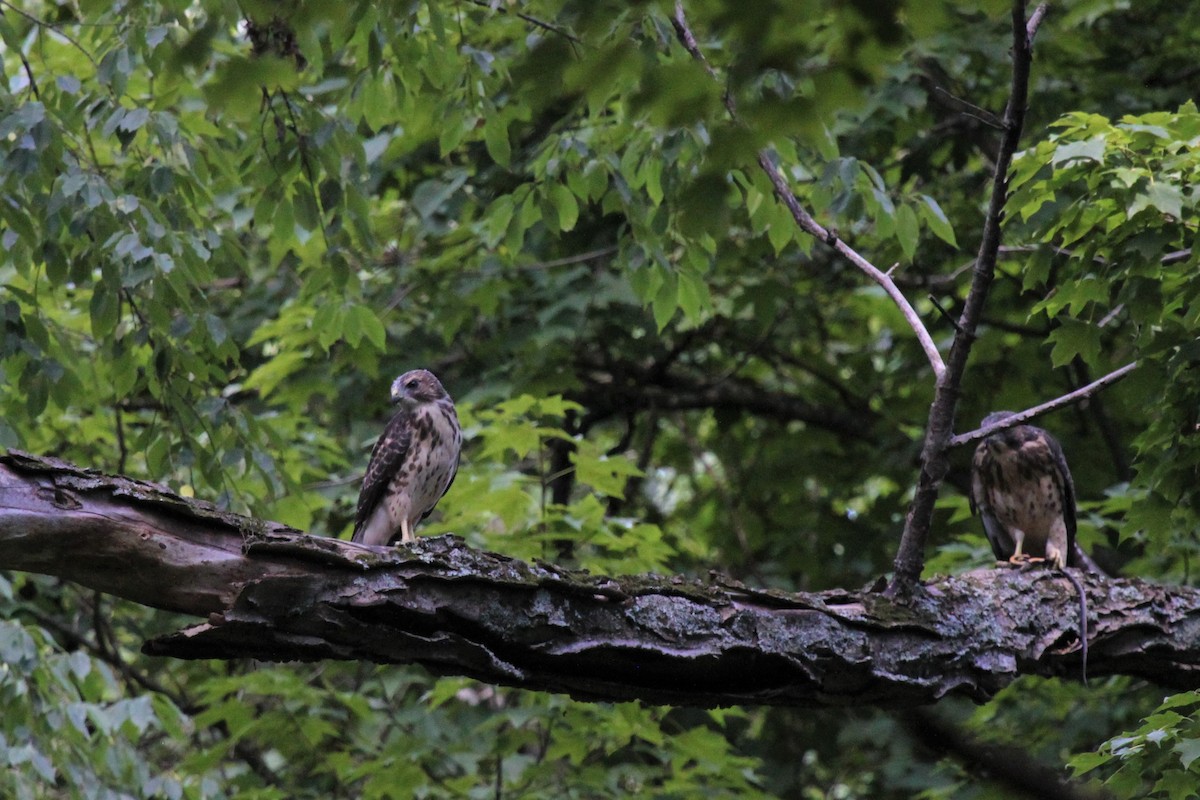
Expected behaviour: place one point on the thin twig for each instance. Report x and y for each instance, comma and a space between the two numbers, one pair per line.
815, 229
32, 80
1111, 315
1071, 398
970, 109
946, 314
806, 222
492, 6
688, 39
591, 255
53, 27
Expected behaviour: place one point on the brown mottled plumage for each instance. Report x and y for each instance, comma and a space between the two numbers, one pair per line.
1021, 486
413, 462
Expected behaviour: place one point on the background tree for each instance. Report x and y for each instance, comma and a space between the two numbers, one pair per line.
225, 228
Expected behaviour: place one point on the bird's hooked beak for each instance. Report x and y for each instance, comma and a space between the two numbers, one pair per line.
402, 390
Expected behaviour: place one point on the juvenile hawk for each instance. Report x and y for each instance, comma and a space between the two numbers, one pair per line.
413, 462
1022, 488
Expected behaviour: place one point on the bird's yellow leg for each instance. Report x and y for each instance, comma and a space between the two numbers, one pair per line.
1018, 557
406, 534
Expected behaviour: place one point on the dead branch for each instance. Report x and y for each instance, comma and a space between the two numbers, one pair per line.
268, 592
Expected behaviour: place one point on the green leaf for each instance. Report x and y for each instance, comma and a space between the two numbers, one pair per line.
1088, 150
666, 301
607, 475
499, 215
782, 229
366, 324
693, 296
908, 230
307, 213
495, 139
1177, 785
267, 377
1180, 700
1165, 197
352, 330
134, 119
104, 308
565, 205
1074, 338
1083, 763
937, 221
1189, 751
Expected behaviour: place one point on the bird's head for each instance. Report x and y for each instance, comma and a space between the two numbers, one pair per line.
994, 417
416, 387
996, 440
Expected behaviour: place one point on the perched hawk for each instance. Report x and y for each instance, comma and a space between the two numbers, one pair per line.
413, 463
1022, 488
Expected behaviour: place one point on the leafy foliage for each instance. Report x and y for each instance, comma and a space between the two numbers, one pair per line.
1158, 758
224, 227
1117, 197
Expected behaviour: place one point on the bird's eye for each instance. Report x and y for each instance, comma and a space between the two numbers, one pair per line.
412, 384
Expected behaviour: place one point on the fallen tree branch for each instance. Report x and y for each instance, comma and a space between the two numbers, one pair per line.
272, 593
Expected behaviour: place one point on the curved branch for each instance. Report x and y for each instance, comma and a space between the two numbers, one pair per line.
272, 593
805, 221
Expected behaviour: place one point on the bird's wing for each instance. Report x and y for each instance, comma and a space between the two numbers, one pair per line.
977, 497
997, 535
452, 418
1002, 544
390, 451
1068, 490
449, 483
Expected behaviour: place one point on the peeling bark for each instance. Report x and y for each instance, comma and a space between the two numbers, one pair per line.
276, 594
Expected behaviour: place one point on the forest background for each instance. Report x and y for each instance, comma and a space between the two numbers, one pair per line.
224, 228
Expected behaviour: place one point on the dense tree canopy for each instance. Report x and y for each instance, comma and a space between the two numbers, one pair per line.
224, 227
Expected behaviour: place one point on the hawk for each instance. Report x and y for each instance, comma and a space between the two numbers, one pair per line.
413, 462
1022, 488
